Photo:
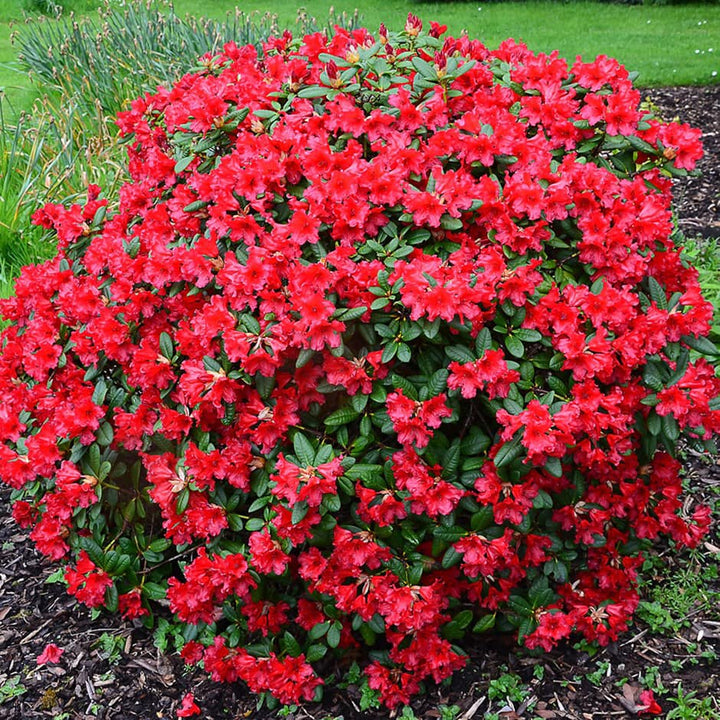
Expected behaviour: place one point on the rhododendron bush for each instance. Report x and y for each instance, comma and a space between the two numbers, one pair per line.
386, 343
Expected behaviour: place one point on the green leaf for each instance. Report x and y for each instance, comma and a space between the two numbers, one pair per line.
348, 314
657, 293
402, 383
195, 206
481, 519
315, 653
324, 454
642, 145
680, 367
448, 534
527, 625
376, 623
94, 551
653, 376
427, 71
554, 467
515, 346
342, 416
437, 382
359, 402
459, 353
94, 458
483, 342
378, 394
509, 451
290, 645
333, 635
542, 501
159, 545
111, 598
527, 335
304, 357
183, 163
304, 450
153, 591
105, 434
369, 637
431, 329
484, 623
448, 222
670, 427
654, 424
101, 388
299, 511
331, 503
211, 364
475, 442
317, 631
450, 558
701, 344
556, 361
166, 346
463, 618
520, 605
183, 499
313, 91
404, 354
264, 385
451, 460
389, 352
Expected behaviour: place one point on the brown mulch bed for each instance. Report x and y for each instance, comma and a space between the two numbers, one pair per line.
112, 669
697, 199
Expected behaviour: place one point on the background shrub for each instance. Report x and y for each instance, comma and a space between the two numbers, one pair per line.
133, 47
387, 343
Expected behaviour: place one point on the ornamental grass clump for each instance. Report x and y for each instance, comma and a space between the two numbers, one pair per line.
388, 343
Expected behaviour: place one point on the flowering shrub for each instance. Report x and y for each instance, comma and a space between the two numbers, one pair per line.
388, 343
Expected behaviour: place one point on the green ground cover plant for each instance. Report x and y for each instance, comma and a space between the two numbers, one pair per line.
704, 253
385, 342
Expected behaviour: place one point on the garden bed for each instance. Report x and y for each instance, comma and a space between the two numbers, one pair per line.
111, 669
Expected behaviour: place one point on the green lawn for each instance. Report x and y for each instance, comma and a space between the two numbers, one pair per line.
658, 41
666, 44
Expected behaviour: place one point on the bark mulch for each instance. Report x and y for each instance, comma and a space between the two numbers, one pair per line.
110, 669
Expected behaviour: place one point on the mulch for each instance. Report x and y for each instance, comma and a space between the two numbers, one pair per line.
697, 199
112, 669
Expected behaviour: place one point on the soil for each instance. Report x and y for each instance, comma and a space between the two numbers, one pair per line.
697, 199
112, 669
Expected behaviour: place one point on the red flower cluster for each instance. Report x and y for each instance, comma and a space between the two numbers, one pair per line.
387, 337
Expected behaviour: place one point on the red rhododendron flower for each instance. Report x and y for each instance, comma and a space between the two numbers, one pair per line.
647, 705
188, 707
50, 654
86, 582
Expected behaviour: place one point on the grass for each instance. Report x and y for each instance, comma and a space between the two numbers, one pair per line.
657, 41
667, 44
